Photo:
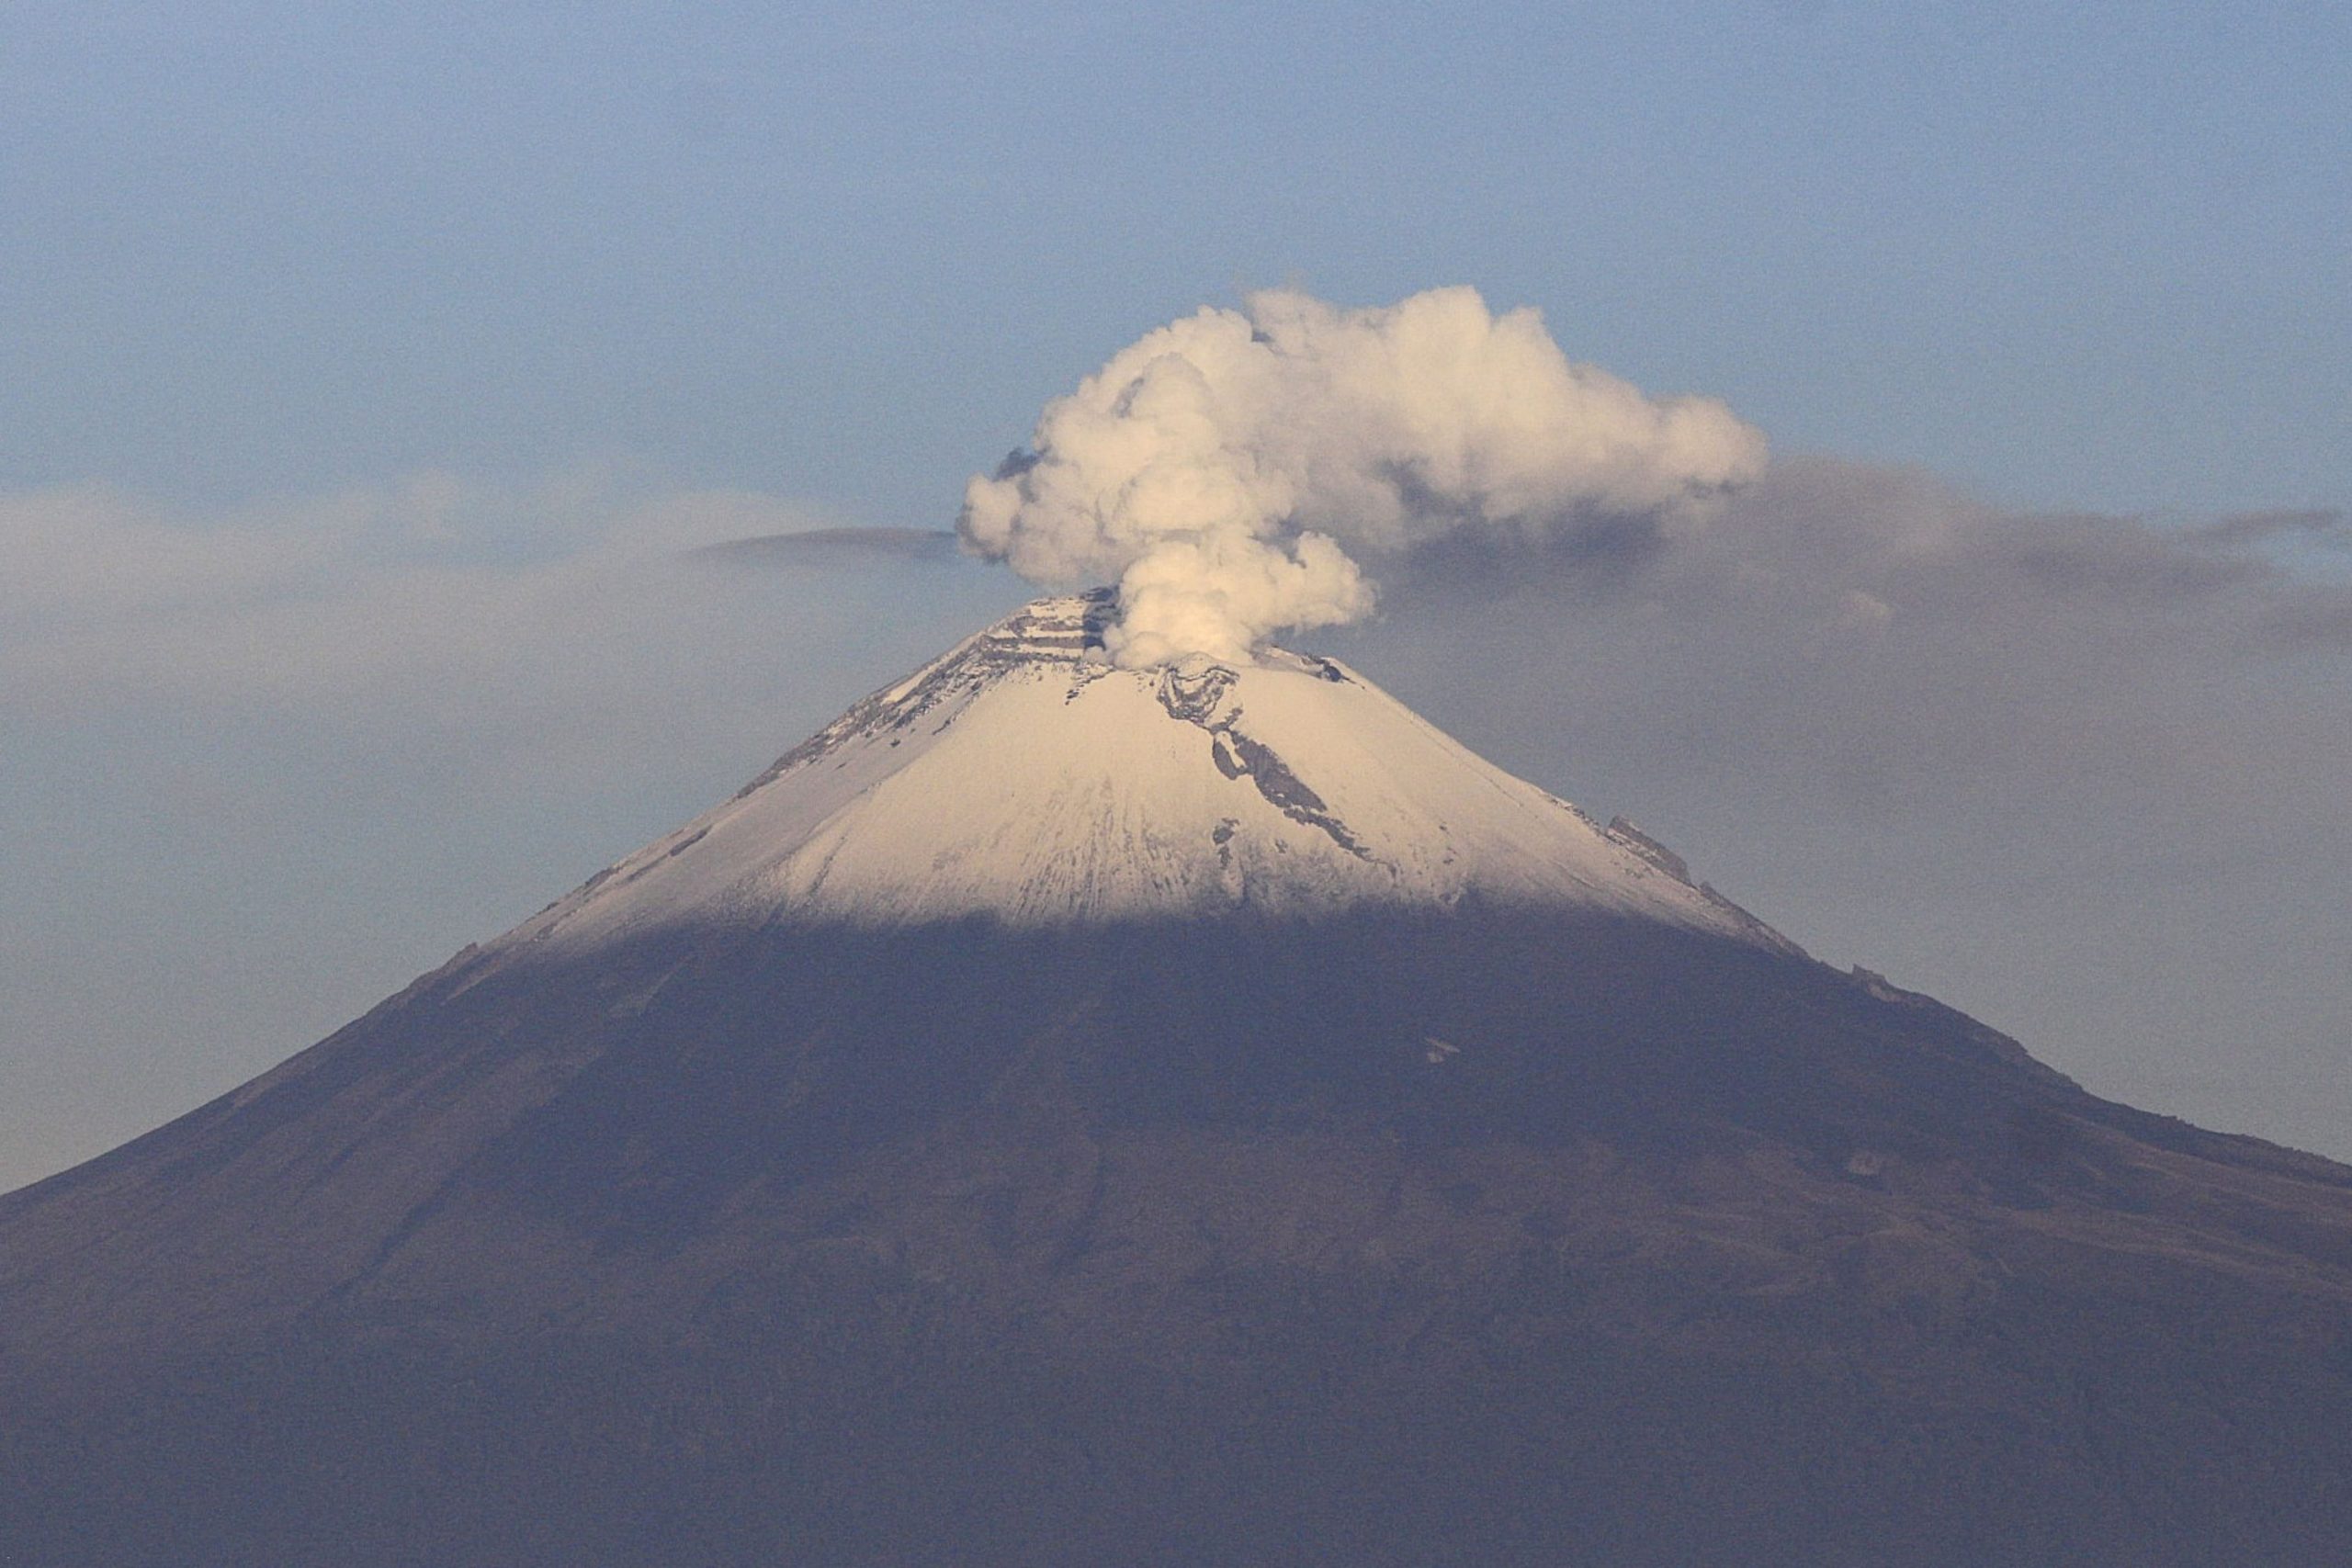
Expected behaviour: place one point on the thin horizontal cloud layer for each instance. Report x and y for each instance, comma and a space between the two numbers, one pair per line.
1235, 470
834, 546
458, 597
1898, 638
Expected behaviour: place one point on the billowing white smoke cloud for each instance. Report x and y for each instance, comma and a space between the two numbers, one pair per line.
1227, 469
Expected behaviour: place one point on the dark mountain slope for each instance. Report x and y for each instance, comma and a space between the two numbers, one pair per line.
1168, 1244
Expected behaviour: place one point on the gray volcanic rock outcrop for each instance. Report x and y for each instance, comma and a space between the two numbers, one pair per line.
1067, 1114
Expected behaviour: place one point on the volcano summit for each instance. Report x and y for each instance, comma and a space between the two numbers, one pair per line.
1069, 1113
1023, 780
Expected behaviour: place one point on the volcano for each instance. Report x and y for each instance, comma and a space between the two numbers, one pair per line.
1063, 1113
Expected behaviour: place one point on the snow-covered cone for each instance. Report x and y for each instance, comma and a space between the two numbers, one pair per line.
1021, 777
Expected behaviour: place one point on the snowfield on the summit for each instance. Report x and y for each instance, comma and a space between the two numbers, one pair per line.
1024, 778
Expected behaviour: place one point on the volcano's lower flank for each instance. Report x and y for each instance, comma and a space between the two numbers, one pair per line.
1064, 1114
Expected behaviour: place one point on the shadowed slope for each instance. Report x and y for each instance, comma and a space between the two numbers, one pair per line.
1484, 1230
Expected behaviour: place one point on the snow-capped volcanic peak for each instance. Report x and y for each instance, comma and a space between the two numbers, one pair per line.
1022, 777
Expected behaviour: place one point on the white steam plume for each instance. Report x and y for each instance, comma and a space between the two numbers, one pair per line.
1227, 469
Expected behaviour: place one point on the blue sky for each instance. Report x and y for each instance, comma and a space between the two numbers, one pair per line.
2077, 255
362, 369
